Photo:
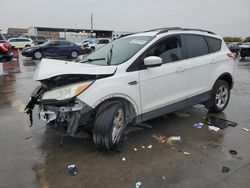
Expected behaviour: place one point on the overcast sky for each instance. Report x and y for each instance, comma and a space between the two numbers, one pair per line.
224, 17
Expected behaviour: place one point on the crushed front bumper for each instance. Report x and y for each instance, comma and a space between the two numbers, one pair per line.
66, 119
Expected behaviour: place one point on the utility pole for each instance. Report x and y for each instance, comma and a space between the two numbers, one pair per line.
91, 32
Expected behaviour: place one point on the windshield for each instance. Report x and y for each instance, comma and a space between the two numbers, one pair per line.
118, 51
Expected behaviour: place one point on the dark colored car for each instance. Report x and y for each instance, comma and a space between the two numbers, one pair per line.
234, 47
245, 52
55, 49
5, 49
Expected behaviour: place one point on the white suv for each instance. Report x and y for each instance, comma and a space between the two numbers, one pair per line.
131, 80
21, 42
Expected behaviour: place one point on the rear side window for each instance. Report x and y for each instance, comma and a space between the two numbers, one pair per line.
196, 45
214, 44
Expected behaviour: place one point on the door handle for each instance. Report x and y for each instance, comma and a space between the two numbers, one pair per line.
212, 61
180, 69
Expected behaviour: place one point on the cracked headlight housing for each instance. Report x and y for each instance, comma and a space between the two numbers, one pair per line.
66, 92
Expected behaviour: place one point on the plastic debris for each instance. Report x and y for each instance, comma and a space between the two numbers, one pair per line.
219, 122
213, 128
123, 159
198, 125
150, 146
143, 147
225, 169
245, 129
186, 153
163, 177
233, 152
175, 138
72, 169
135, 149
138, 184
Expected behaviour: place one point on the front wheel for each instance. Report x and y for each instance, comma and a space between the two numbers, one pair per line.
220, 97
38, 55
109, 127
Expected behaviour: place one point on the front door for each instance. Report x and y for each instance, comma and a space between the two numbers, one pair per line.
164, 88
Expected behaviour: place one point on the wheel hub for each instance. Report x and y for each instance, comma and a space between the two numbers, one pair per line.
118, 125
221, 97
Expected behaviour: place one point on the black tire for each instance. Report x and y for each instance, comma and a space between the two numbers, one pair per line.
38, 55
27, 46
73, 54
217, 95
92, 48
104, 126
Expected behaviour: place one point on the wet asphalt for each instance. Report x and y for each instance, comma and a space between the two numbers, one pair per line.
33, 156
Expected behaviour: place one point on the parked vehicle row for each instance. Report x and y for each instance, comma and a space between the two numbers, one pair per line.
94, 44
240, 48
55, 49
131, 80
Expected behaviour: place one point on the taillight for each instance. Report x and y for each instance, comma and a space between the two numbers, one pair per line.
4, 47
231, 55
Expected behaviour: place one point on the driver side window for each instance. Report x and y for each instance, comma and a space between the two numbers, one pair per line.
169, 49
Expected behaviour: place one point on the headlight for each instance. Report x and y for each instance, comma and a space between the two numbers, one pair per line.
67, 92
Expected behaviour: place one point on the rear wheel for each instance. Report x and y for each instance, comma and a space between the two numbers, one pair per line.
109, 127
220, 97
38, 55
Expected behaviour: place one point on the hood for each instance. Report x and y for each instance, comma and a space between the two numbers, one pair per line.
50, 68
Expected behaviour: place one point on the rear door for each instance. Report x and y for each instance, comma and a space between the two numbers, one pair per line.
200, 65
51, 49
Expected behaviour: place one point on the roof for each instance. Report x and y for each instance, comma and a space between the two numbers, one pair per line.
159, 31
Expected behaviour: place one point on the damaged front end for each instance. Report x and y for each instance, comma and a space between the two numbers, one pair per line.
57, 96
68, 115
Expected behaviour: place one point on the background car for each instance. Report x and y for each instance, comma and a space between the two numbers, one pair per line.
234, 47
5, 49
37, 39
21, 42
55, 49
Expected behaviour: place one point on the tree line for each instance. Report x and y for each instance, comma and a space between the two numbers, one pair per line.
236, 39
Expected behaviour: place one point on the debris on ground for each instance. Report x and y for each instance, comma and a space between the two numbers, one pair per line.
213, 128
186, 153
28, 137
219, 122
72, 169
123, 159
198, 125
163, 177
225, 169
169, 140
160, 139
143, 147
138, 184
135, 149
233, 152
149, 146
245, 129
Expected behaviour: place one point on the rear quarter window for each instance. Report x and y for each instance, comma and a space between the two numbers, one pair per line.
214, 44
196, 45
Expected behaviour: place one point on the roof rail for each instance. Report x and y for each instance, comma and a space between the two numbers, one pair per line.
164, 30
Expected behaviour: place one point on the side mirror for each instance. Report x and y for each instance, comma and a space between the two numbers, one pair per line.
152, 61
